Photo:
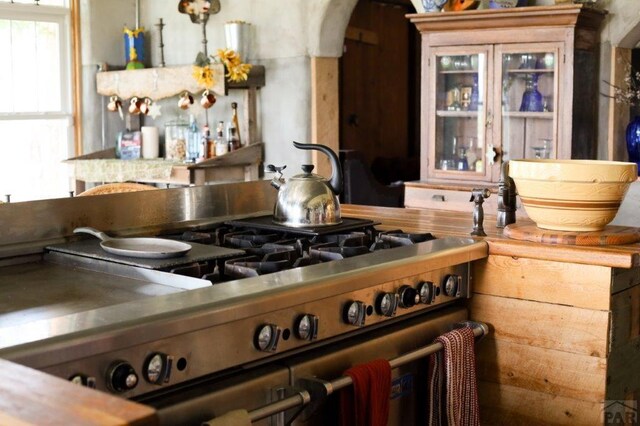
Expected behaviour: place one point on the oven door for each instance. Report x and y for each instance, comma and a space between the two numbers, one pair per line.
408, 382
256, 387
200, 402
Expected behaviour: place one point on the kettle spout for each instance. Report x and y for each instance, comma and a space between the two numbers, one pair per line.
278, 180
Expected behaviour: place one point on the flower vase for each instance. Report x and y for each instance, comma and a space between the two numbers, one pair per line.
633, 140
134, 48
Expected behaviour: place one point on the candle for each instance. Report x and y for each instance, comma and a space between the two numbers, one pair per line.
150, 142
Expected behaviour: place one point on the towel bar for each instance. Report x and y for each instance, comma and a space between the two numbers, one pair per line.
323, 388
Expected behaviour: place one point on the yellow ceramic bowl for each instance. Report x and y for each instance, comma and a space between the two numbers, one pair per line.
572, 195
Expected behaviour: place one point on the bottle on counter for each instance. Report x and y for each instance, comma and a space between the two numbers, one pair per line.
193, 143
234, 120
207, 144
222, 147
232, 137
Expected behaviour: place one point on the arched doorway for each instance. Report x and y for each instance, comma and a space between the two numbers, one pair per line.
379, 89
330, 24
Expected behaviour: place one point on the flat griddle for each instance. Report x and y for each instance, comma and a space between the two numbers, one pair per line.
199, 253
266, 223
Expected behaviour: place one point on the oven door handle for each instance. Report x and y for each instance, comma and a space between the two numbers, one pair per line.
316, 390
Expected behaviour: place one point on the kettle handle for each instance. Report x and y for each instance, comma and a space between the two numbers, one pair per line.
335, 181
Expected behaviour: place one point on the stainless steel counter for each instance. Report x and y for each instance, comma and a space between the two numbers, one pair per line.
43, 292
53, 308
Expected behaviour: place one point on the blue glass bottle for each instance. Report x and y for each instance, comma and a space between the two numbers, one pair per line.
532, 98
633, 141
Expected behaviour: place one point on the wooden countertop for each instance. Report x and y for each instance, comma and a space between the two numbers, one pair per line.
30, 397
447, 223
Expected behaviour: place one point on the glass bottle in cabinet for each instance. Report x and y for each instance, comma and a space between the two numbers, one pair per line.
459, 115
528, 81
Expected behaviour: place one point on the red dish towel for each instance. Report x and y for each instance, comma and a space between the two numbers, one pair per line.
366, 403
453, 392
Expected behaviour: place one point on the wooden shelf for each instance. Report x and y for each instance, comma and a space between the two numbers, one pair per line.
457, 114
458, 72
524, 114
161, 83
530, 70
242, 164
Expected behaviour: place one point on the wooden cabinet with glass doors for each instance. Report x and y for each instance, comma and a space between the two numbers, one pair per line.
499, 85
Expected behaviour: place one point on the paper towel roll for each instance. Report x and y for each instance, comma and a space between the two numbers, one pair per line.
150, 142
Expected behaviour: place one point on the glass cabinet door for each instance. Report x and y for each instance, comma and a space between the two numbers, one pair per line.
458, 122
529, 87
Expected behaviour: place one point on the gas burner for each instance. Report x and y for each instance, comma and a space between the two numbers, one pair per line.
252, 266
326, 253
397, 238
351, 239
248, 239
196, 237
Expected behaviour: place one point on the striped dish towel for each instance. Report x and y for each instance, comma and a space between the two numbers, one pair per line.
453, 392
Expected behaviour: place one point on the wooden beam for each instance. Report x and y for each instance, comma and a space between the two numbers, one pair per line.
325, 104
618, 113
157, 83
361, 35
76, 75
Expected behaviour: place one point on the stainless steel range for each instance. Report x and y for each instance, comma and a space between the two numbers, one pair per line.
249, 312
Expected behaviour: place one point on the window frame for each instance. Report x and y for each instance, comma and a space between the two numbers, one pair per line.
66, 17
62, 17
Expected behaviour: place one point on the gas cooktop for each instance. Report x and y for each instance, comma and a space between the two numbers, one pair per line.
256, 246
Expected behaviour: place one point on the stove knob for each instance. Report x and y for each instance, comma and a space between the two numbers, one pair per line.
355, 313
451, 285
121, 377
83, 380
267, 337
307, 327
408, 296
386, 304
425, 291
157, 368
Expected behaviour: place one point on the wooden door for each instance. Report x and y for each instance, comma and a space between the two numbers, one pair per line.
378, 90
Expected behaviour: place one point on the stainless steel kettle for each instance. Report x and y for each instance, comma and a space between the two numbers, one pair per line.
308, 199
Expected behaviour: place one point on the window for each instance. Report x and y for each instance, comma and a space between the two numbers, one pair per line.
35, 99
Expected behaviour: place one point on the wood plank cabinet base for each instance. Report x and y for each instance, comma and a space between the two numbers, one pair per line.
565, 338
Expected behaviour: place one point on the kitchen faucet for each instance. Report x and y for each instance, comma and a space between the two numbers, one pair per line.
506, 198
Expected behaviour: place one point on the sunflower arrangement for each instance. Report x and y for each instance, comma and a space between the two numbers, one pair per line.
237, 71
203, 75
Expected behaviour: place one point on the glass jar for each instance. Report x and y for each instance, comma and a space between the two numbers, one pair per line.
176, 136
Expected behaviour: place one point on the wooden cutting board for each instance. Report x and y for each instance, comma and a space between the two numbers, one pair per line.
610, 235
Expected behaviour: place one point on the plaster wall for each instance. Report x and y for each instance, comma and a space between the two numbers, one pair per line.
285, 34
